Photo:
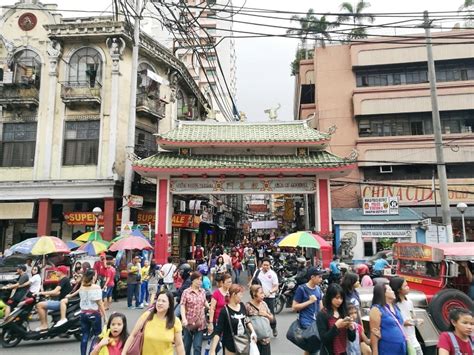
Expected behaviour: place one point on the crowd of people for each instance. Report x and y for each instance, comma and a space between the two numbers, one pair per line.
183, 303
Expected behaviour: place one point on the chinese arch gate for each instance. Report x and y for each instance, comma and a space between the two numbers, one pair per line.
241, 158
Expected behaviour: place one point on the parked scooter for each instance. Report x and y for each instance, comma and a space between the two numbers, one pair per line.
286, 292
15, 327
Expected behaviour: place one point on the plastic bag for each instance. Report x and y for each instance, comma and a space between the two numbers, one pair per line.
254, 348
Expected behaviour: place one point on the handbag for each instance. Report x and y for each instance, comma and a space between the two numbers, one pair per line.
261, 325
137, 343
241, 342
304, 338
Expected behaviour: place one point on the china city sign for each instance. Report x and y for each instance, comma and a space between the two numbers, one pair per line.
242, 186
380, 206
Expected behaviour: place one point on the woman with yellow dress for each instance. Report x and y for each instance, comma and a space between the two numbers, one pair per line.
162, 329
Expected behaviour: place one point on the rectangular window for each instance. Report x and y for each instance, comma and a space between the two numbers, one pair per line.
368, 249
417, 128
307, 94
211, 73
18, 144
81, 143
145, 143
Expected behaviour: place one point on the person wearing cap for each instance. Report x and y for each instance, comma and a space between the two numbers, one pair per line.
308, 298
60, 292
133, 283
21, 288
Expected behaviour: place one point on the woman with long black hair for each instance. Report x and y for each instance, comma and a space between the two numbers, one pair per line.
334, 325
350, 283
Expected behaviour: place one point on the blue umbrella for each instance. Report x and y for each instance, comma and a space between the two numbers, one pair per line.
72, 244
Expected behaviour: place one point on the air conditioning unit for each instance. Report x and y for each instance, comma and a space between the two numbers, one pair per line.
386, 169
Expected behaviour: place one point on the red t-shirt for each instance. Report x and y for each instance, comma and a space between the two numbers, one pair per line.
220, 303
339, 343
444, 342
110, 276
100, 268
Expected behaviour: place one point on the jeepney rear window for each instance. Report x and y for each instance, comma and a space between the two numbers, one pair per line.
420, 268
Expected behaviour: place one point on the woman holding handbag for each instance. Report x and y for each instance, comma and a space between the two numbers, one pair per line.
157, 330
193, 305
261, 317
234, 326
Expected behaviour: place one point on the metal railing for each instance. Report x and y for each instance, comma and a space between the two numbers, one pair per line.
151, 105
81, 90
19, 93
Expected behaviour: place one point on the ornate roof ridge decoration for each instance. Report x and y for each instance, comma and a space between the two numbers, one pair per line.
269, 133
166, 161
106, 26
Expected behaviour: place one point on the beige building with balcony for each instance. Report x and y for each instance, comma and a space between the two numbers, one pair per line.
378, 96
65, 99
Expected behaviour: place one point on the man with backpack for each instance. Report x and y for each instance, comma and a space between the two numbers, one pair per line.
268, 279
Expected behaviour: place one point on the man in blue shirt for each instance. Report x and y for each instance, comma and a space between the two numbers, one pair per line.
335, 271
380, 264
307, 300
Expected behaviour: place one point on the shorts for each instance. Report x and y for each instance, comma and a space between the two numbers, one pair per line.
108, 292
53, 305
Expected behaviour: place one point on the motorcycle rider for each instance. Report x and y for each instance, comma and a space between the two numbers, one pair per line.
308, 298
21, 288
58, 293
335, 270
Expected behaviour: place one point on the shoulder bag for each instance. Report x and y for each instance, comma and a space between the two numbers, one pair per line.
261, 325
241, 342
137, 344
304, 338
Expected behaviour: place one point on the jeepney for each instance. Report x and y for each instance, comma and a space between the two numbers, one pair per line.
436, 276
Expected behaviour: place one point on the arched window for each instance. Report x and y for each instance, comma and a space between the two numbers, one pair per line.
181, 104
27, 68
85, 67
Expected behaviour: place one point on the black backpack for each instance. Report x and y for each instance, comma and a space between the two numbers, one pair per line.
255, 280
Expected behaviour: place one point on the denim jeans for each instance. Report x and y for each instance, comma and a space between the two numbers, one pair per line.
144, 294
91, 325
271, 306
193, 339
133, 290
237, 276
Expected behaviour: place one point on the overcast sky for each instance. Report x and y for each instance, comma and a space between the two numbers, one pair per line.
263, 65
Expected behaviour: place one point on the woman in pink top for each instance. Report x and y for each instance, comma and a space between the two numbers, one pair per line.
218, 300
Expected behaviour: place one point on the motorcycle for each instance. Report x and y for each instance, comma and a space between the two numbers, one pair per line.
15, 327
286, 292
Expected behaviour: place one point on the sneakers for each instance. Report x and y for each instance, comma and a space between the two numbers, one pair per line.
140, 306
60, 323
132, 307
275, 333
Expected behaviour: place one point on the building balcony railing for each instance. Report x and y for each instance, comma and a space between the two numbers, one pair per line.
151, 106
19, 95
80, 92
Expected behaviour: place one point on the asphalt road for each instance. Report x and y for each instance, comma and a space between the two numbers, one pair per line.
280, 345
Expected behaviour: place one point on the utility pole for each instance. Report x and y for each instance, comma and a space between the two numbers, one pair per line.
130, 148
441, 165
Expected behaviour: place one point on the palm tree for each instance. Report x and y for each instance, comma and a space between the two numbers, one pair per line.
358, 18
305, 27
469, 7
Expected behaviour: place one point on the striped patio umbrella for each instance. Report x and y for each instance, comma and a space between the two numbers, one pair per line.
89, 236
74, 244
300, 239
94, 247
41, 246
130, 243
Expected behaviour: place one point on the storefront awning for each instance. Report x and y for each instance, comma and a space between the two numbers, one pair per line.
18, 210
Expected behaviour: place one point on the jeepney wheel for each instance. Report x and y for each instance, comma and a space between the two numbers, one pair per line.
443, 302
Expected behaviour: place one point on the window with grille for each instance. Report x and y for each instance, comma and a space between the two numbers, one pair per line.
27, 68
145, 143
18, 144
85, 67
81, 143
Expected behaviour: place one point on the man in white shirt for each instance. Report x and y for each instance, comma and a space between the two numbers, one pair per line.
269, 281
167, 272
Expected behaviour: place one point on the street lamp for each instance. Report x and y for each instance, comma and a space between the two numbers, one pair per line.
97, 211
462, 207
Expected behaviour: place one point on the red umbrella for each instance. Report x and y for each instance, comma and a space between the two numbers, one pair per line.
130, 243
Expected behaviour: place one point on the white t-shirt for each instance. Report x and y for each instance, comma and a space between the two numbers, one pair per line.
89, 297
406, 309
268, 280
167, 271
35, 284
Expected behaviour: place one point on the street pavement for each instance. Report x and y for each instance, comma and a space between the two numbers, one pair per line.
280, 345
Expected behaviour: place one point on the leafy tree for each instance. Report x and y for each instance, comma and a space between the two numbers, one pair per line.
301, 53
357, 17
469, 7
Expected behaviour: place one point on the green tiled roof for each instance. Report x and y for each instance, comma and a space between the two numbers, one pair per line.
297, 132
318, 159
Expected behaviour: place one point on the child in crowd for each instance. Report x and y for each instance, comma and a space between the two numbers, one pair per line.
459, 340
114, 337
361, 344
